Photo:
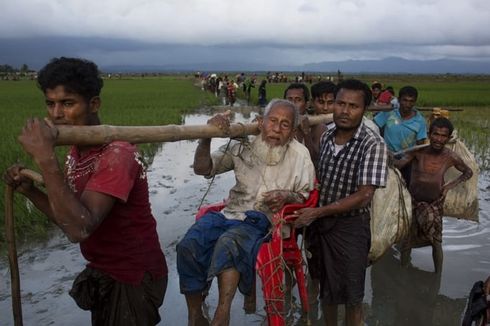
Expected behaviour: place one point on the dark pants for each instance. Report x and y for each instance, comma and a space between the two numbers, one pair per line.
117, 304
344, 244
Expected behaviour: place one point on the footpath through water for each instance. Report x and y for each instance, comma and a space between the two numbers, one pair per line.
394, 296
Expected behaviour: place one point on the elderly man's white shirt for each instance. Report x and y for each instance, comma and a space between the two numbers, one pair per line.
295, 172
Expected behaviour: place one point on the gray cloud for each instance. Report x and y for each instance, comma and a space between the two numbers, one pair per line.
277, 31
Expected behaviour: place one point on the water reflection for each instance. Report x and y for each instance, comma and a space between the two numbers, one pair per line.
409, 296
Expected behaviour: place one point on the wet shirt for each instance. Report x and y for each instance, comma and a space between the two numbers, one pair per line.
399, 133
295, 172
362, 161
125, 245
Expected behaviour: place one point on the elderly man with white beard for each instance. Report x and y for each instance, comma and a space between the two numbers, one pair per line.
271, 170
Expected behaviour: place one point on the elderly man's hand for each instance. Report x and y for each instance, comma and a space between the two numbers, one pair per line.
276, 199
222, 121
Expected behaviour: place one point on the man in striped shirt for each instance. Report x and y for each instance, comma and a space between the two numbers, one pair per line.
352, 165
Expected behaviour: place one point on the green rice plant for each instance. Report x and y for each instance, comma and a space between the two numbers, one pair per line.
472, 125
434, 91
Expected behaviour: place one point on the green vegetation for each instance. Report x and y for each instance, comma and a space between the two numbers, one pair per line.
472, 125
156, 101
441, 91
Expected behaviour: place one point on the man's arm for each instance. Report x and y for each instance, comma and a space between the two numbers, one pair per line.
203, 164
312, 136
461, 166
77, 218
359, 199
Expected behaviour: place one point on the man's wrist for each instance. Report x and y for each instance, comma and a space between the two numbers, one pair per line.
46, 161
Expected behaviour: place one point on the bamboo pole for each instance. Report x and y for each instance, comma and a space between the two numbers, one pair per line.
103, 134
411, 149
373, 108
430, 110
12, 254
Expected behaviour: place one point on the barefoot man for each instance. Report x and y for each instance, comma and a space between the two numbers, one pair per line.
428, 189
270, 171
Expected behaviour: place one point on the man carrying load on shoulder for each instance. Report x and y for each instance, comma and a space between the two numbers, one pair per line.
100, 202
272, 170
428, 189
404, 127
352, 165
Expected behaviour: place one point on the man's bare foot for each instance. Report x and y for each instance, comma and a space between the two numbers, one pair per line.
198, 321
221, 320
250, 303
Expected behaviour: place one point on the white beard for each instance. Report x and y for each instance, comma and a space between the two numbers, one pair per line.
270, 155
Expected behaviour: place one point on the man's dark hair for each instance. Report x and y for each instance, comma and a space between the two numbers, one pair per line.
306, 92
78, 76
441, 123
408, 91
322, 87
356, 85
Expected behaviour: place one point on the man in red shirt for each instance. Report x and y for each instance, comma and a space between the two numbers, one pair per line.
100, 202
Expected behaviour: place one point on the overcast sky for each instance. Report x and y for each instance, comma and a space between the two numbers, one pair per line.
159, 32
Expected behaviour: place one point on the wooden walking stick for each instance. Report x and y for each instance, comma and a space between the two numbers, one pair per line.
12, 249
12, 254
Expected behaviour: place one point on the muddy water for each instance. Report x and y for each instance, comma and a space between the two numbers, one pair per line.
412, 296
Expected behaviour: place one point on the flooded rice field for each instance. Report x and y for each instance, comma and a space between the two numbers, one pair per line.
394, 296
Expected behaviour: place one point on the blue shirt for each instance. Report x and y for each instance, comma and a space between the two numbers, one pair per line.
399, 133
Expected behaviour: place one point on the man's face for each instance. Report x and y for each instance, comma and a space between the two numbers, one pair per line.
407, 103
297, 96
324, 104
376, 91
439, 138
348, 109
277, 129
65, 108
